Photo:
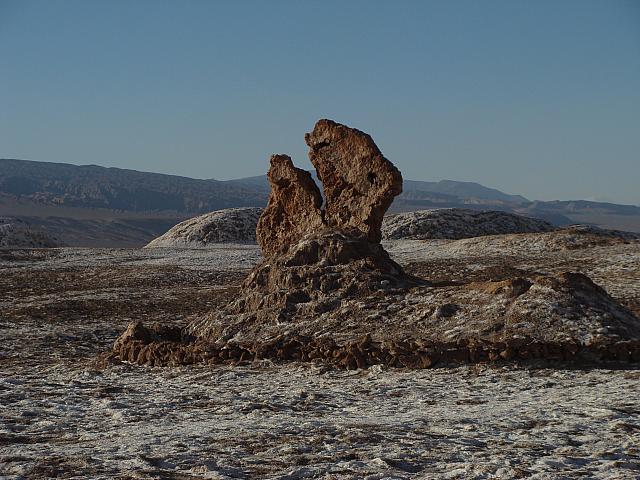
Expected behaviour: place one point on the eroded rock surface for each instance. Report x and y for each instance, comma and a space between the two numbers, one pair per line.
359, 182
563, 318
315, 276
293, 209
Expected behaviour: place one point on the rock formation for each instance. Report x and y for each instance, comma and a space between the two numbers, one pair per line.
359, 183
293, 209
327, 290
315, 256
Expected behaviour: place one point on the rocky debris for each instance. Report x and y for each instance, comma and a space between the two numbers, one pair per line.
327, 290
231, 225
293, 209
457, 223
364, 353
158, 344
359, 183
16, 233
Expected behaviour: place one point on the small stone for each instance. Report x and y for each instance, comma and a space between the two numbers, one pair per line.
446, 310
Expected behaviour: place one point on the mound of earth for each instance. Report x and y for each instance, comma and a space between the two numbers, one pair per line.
16, 233
576, 237
239, 224
231, 225
326, 290
584, 236
554, 318
456, 223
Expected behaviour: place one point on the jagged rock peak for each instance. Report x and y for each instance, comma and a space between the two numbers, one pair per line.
359, 185
359, 182
293, 208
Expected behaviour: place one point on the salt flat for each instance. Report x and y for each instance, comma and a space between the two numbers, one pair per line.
62, 417
298, 421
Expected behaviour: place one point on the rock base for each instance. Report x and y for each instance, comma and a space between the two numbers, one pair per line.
313, 277
341, 300
156, 347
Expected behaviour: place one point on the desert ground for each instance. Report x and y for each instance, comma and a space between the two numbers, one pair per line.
65, 416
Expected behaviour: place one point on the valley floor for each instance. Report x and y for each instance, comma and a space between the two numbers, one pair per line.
61, 417
297, 421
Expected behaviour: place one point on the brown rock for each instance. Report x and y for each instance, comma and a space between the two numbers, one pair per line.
513, 287
293, 209
573, 282
359, 182
134, 331
359, 185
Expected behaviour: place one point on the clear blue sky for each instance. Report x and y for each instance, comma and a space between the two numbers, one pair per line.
540, 98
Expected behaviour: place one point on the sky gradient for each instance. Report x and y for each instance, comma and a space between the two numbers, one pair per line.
539, 98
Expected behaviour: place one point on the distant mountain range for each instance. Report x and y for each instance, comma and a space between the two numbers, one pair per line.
97, 206
92, 186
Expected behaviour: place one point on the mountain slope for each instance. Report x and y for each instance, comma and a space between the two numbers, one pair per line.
91, 186
462, 190
16, 233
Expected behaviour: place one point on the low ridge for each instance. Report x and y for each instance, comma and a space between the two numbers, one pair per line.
16, 233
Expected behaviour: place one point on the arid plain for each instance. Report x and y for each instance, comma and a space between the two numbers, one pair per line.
65, 416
